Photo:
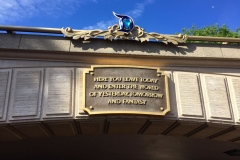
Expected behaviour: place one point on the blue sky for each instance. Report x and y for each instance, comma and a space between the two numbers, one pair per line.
162, 16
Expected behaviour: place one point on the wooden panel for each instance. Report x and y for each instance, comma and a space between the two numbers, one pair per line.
7, 134
216, 98
58, 92
125, 127
188, 94
5, 80
79, 92
63, 128
229, 135
234, 85
26, 94
91, 128
35, 130
184, 128
209, 131
157, 127
172, 95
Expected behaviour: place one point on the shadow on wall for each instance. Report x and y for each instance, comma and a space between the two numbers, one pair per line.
200, 50
51, 43
124, 47
186, 48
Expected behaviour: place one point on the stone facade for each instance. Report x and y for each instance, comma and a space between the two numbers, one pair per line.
41, 87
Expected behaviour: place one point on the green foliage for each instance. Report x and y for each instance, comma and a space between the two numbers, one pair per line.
213, 31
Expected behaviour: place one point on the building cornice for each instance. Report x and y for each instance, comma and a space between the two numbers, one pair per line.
13, 29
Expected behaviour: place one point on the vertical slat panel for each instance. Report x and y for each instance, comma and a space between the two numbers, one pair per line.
26, 94
79, 92
5, 80
188, 94
58, 92
172, 94
234, 85
216, 98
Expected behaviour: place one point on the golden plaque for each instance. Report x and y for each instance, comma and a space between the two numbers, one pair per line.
125, 90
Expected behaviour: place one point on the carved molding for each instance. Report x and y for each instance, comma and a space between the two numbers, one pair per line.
112, 33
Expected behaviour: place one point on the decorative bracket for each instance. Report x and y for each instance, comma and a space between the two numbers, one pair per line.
112, 33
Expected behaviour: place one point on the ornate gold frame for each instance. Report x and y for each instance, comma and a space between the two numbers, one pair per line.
159, 73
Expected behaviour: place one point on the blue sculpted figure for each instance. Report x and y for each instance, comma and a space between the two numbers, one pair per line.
125, 22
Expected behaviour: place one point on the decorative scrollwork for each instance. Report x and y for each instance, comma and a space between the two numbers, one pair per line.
112, 33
